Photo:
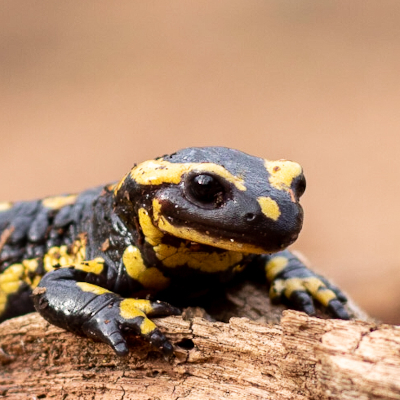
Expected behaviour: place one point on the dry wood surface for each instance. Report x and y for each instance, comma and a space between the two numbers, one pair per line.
299, 358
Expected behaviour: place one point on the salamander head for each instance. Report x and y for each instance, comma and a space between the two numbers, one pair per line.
219, 197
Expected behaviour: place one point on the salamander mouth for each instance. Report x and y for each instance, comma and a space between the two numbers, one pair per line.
224, 239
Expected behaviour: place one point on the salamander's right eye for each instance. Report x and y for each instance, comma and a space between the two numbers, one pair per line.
205, 189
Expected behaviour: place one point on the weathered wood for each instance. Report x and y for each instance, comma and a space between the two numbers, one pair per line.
302, 358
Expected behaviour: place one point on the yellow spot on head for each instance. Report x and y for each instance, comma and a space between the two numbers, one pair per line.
157, 172
282, 173
57, 202
269, 207
88, 287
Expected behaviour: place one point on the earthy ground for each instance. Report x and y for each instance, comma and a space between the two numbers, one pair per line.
88, 89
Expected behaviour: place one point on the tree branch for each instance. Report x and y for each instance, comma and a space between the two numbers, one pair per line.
301, 358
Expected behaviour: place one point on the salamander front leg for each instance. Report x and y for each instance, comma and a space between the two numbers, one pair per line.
291, 280
66, 298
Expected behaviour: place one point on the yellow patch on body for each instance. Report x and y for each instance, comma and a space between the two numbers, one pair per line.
10, 282
31, 265
120, 183
142, 305
129, 310
313, 285
173, 257
157, 172
5, 205
11, 278
151, 278
269, 207
275, 266
94, 266
14, 276
133, 261
88, 287
57, 202
282, 173
151, 233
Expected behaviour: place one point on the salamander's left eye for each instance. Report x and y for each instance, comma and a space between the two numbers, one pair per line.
205, 189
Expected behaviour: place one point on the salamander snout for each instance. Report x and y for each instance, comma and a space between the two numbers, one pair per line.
299, 186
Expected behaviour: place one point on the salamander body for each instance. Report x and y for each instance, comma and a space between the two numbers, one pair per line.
171, 228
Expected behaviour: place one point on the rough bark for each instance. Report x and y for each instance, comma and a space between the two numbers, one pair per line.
300, 358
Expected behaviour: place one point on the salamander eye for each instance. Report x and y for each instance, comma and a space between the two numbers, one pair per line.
205, 189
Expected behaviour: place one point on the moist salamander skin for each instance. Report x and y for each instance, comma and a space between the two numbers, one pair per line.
170, 228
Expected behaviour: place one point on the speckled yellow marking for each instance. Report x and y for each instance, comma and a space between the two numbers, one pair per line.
136, 269
88, 287
94, 266
269, 207
57, 256
157, 172
11, 278
5, 205
173, 257
128, 310
151, 233
30, 265
275, 266
57, 202
282, 173
10, 282
63, 257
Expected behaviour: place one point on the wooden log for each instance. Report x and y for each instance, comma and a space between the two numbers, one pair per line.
300, 358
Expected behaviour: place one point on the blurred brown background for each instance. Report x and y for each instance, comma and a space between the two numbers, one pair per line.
87, 89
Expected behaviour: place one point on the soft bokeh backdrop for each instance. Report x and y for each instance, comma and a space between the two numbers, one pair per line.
89, 88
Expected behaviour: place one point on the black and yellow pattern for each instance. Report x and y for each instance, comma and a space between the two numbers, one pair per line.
172, 226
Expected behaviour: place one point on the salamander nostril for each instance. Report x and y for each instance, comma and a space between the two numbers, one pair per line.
250, 217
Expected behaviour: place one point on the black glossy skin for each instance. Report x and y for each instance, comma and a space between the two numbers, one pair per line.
197, 218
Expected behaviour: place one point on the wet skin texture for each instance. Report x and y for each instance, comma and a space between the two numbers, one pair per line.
172, 228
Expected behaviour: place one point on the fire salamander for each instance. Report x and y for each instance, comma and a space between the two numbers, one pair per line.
173, 226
